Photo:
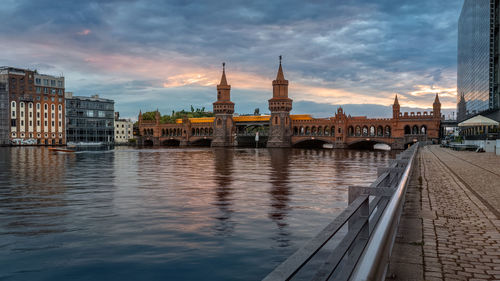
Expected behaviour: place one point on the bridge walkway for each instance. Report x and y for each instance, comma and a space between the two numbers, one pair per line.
450, 228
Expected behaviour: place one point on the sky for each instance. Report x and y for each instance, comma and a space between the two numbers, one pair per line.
168, 54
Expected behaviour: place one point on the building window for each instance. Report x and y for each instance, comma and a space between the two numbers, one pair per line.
38, 122
22, 114
45, 82
53, 123
13, 122
46, 90
46, 106
38, 90
60, 107
31, 114
60, 123
38, 106
45, 123
13, 114
52, 83
60, 84
38, 81
21, 104
53, 91
38, 115
31, 123
22, 122
53, 107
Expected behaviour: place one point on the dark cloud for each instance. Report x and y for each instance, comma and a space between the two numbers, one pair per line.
361, 46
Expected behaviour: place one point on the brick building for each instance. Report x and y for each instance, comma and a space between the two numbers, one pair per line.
36, 107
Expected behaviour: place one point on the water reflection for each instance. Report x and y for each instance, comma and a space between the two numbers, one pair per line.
280, 193
179, 214
223, 178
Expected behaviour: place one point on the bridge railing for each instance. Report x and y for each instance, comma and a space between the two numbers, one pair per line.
357, 244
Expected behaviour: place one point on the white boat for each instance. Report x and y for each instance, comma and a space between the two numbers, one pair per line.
328, 145
381, 146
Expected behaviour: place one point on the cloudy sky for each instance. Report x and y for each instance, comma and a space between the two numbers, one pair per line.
167, 54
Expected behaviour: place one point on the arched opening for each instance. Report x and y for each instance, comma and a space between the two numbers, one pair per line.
295, 131
414, 130
302, 130
308, 131
333, 131
365, 131
407, 130
327, 131
192, 131
171, 142
372, 131
380, 131
387, 131
358, 131
310, 144
197, 132
313, 130
423, 130
211, 131
320, 131
148, 143
350, 131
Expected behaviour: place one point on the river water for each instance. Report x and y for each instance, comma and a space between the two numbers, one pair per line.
168, 214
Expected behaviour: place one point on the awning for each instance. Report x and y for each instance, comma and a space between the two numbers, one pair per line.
478, 120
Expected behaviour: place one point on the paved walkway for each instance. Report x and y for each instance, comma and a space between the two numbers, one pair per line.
454, 203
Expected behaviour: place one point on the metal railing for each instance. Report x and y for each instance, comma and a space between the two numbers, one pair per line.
358, 243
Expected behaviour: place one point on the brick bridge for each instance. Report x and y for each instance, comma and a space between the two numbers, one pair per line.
282, 129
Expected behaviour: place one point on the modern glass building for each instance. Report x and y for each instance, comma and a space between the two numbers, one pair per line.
89, 119
478, 65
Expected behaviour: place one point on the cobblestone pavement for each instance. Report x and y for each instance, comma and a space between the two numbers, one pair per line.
461, 229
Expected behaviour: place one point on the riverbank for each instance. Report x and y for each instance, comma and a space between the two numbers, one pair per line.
450, 226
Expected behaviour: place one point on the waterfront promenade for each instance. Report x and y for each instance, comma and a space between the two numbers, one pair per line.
450, 226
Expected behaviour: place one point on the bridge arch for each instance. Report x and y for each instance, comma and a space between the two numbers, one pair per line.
148, 143
171, 142
365, 144
311, 143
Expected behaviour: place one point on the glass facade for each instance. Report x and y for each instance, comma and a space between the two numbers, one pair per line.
475, 77
90, 120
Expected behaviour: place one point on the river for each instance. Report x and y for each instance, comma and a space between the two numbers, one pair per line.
170, 213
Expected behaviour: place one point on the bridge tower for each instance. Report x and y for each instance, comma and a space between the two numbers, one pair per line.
396, 109
280, 125
436, 108
223, 110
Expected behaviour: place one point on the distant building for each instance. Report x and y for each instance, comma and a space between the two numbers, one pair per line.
36, 106
4, 112
123, 129
89, 119
478, 60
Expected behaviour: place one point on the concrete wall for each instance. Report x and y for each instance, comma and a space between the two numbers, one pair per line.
489, 145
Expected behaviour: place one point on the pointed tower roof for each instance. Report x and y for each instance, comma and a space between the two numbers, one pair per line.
223, 81
436, 100
396, 102
280, 76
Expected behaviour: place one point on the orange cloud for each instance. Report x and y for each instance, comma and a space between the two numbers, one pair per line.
84, 32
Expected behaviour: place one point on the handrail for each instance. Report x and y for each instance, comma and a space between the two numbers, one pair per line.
357, 257
373, 262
